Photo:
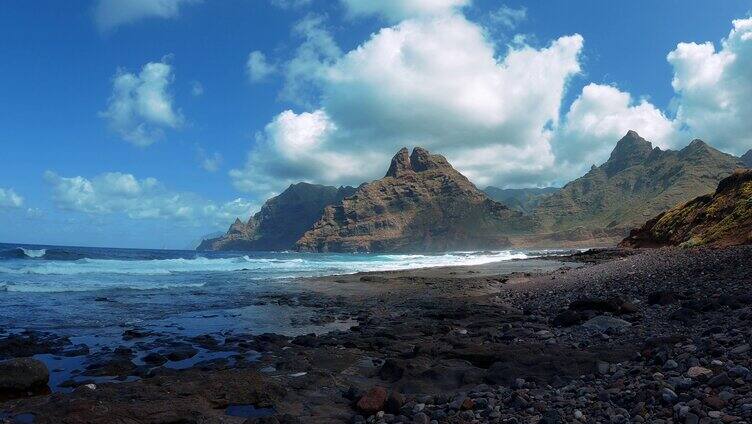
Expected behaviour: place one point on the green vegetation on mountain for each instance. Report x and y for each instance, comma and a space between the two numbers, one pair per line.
521, 199
723, 218
636, 183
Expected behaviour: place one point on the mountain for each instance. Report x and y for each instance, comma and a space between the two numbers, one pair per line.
421, 204
720, 219
281, 221
747, 159
636, 183
521, 199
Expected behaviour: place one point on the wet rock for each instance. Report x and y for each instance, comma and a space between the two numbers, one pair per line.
661, 297
23, 374
181, 353
395, 402
392, 370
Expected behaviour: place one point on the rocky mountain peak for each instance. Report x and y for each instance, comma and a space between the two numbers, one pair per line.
629, 151
421, 160
747, 159
400, 164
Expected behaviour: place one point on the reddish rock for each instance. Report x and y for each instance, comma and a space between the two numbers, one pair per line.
467, 405
373, 401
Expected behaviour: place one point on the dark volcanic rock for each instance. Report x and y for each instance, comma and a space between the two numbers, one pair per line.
421, 204
22, 374
721, 219
373, 401
281, 221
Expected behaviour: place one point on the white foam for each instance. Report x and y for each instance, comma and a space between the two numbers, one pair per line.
34, 253
309, 264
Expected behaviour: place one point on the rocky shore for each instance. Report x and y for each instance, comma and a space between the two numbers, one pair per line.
616, 336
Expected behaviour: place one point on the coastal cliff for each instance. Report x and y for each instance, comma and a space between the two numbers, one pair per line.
281, 220
421, 204
723, 218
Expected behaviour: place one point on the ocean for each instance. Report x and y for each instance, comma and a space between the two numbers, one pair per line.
54, 287
94, 296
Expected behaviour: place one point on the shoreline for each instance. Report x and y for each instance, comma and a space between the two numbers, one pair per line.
472, 343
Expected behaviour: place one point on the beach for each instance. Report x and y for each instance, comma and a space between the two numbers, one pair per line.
606, 336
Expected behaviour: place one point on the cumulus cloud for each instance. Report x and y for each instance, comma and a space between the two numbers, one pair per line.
141, 106
315, 54
9, 198
109, 14
115, 192
714, 88
437, 82
210, 162
507, 17
397, 10
601, 115
257, 68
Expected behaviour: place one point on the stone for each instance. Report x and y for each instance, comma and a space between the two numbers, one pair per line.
22, 374
720, 380
669, 396
603, 323
373, 401
395, 402
699, 372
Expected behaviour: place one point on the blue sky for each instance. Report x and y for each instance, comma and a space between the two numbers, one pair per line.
513, 93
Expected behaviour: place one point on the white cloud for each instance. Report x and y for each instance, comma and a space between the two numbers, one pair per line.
290, 4
109, 14
210, 162
257, 68
119, 193
197, 89
9, 198
436, 82
397, 10
507, 17
600, 116
714, 88
299, 147
305, 71
141, 106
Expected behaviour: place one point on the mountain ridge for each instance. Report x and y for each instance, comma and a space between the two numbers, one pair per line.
281, 220
637, 182
421, 204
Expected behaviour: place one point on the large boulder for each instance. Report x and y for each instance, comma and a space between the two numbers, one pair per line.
23, 374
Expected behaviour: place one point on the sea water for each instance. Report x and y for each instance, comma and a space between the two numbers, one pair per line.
57, 288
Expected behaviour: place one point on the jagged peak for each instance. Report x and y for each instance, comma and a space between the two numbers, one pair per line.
400, 164
629, 151
747, 159
422, 160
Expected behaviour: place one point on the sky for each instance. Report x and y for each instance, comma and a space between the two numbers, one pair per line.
151, 123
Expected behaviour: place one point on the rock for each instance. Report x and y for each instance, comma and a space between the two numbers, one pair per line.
181, 353
395, 402
661, 298
421, 418
669, 396
595, 304
373, 401
699, 372
568, 318
23, 374
154, 358
720, 380
605, 323
714, 402
738, 350
392, 370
